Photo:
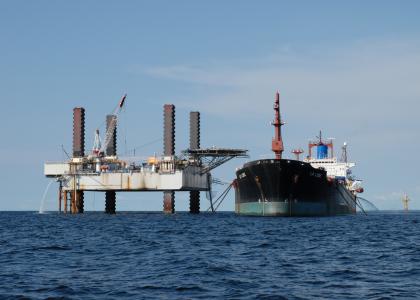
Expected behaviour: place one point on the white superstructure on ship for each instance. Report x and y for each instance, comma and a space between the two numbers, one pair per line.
336, 169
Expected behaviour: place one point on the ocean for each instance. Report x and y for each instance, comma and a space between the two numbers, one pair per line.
145, 255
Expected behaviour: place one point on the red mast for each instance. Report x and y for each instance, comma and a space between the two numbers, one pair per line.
277, 143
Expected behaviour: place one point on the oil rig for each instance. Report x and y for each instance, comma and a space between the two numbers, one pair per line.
101, 170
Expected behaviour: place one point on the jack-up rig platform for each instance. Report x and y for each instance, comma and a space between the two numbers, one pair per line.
102, 170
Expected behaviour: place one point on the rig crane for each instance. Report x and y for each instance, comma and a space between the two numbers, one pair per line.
96, 150
99, 148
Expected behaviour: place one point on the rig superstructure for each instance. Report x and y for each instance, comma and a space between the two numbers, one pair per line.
102, 170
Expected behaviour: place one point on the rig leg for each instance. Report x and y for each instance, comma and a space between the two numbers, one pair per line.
73, 199
195, 202
77, 202
60, 198
169, 202
110, 202
64, 199
80, 202
194, 144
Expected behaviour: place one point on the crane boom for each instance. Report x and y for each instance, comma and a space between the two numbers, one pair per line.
112, 124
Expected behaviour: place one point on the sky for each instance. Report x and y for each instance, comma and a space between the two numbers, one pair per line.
348, 68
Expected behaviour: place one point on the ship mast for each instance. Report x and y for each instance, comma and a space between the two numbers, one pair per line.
277, 142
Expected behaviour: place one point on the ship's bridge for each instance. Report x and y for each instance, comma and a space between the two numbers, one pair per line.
332, 166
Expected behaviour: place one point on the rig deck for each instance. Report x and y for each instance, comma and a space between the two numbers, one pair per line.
102, 170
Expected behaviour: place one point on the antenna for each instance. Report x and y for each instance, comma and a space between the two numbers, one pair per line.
320, 137
344, 152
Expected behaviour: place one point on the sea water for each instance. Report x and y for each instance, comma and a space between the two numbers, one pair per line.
209, 256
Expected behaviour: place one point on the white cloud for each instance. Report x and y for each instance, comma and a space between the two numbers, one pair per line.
392, 196
368, 78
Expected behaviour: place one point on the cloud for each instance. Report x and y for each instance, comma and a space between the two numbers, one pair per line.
371, 84
364, 79
389, 197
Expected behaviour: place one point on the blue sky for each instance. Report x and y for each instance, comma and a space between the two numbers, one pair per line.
349, 68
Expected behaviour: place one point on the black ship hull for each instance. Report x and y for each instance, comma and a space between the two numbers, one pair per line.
280, 187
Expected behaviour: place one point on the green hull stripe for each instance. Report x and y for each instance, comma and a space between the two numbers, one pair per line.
281, 209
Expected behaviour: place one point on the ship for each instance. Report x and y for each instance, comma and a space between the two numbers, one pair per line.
318, 185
